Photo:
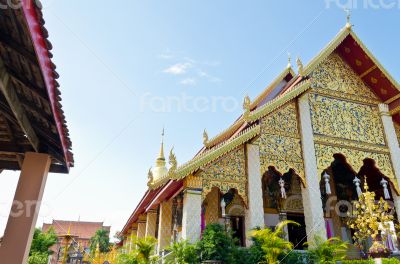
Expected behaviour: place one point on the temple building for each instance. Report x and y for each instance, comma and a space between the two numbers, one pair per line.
299, 152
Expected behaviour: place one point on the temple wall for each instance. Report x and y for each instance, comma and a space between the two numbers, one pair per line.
279, 141
345, 118
212, 207
228, 172
397, 129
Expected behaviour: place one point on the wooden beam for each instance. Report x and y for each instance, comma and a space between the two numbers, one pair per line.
15, 105
368, 71
13, 45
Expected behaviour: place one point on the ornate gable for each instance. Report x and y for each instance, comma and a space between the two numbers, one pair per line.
336, 77
280, 144
397, 129
226, 173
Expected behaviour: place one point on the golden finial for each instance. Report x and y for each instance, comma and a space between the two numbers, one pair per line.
205, 137
300, 66
69, 229
348, 16
289, 65
365, 184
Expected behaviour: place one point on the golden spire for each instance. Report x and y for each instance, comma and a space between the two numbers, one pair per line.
365, 184
289, 65
161, 155
348, 16
69, 229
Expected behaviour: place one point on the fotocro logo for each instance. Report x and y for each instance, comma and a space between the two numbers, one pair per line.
364, 4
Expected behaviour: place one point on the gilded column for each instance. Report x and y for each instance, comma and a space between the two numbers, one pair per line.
255, 213
191, 217
313, 213
151, 223
141, 229
164, 225
393, 145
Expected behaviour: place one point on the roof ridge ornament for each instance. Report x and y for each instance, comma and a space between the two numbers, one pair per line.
246, 107
348, 16
300, 66
289, 65
205, 138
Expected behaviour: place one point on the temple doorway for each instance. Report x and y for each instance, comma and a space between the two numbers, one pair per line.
297, 234
237, 228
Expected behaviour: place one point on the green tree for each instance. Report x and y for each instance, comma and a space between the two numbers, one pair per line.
102, 238
42, 241
272, 242
38, 258
217, 244
183, 253
145, 249
327, 251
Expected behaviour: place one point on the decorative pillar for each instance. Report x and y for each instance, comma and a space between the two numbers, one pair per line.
393, 145
164, 225
151, 223
132, 237
255, 213
141, 229
25, 209
191, 217
313, 213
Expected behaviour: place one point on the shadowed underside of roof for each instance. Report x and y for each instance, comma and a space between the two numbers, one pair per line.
31, 115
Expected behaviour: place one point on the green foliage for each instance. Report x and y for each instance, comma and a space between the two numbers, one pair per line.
217, 244
38, 258
358, 261
143, 254
296, 257
327, 251
101, 237
130, 258
145, 248
42, 241
391, 261
183, 253
272, 243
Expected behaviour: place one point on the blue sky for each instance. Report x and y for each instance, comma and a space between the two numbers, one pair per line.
129, 68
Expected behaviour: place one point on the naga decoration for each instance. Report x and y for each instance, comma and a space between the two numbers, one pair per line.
150, 178
205, 137
300, 66
172, 161
246, 107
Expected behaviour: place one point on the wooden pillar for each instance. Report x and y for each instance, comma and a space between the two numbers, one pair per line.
164, 225
24, 211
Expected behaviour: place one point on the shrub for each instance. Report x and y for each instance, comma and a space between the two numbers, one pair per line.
391, 261
327, 251
38, 258
272, 243
358, 261
297, 257
217, 244
182, 253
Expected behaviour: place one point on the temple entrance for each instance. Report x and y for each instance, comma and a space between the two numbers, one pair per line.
297, 234
340, 185
227, 209
283, 201
237, 228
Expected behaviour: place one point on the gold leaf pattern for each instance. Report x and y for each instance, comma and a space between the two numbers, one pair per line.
213, 206
226, 173
280, 144
335, 74
397, 129
354, 157
348, 120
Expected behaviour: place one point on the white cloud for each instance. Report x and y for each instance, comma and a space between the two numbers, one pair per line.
179, 68
188, 81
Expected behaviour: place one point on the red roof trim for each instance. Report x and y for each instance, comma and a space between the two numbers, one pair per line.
165, 193
42, 53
